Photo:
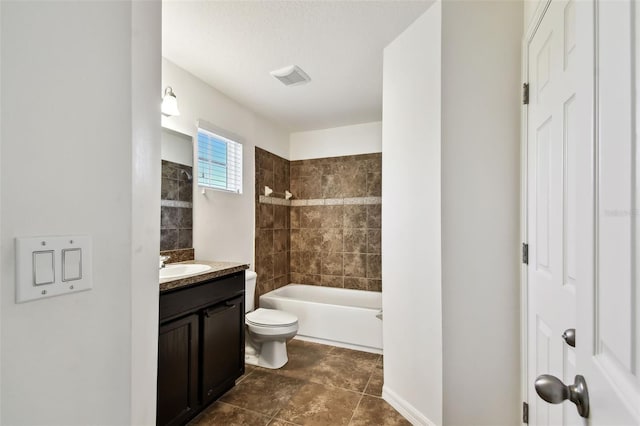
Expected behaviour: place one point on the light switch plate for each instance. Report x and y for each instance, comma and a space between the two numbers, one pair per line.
72, 271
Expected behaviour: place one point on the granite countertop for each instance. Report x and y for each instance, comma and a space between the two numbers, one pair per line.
219, 269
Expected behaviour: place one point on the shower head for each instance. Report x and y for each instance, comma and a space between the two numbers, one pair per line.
189, 177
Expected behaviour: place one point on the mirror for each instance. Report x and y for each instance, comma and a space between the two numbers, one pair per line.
176, 195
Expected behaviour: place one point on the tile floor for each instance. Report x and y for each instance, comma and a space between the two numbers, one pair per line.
320, 385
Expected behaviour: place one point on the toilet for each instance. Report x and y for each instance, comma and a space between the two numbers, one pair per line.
267, 330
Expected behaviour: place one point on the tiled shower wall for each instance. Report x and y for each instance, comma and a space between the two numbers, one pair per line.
176, 207
272, 223
330, 232
335, 222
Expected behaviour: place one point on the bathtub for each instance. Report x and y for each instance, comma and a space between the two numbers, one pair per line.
334, 316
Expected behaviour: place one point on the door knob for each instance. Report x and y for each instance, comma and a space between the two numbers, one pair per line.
552, 390
569, 336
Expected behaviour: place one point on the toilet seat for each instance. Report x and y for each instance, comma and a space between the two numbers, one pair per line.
271, 322
270, 318
282, 331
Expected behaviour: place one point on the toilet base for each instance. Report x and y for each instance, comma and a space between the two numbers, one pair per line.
271, 355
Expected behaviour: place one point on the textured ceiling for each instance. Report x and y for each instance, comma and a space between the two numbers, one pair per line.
233, 45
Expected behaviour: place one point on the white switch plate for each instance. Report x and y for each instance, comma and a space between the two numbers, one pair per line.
78, 266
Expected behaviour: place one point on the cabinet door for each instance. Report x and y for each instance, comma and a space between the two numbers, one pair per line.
177, 371
222, 347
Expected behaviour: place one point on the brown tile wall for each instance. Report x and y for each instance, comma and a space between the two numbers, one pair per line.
337, 245
337, 177
176, 223
272, 224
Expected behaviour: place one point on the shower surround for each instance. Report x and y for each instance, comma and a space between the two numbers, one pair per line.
331, 235
272, 223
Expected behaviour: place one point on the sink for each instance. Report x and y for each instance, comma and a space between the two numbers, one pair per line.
182, 270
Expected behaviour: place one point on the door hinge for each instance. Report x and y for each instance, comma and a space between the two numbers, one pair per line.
525, 412
525, 253
525, 94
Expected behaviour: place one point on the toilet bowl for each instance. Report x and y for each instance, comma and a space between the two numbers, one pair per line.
267, 330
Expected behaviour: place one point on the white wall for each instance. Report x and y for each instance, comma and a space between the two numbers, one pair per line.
176, 147
223, 223
451, 300
1, 242
411, 250
146, 21
480, 211
75, 156
357, 139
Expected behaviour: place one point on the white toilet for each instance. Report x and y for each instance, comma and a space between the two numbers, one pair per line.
267, 332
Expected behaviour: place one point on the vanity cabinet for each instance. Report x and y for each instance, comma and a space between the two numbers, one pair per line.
178, 348
222, 327
200, 346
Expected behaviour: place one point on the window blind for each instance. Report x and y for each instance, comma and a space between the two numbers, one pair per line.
219, 162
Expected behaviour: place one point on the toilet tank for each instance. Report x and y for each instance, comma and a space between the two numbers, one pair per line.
249, 289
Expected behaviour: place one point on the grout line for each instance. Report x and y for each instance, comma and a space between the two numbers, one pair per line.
368, 382
356, 409
241, 408
362, 395
273, 417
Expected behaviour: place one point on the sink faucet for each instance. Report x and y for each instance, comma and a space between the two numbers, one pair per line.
163, 259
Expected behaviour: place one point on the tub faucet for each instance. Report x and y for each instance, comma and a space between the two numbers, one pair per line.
163, 259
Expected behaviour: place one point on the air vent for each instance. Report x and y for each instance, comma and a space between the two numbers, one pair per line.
291, 75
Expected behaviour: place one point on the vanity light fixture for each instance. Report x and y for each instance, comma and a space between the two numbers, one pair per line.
169, 103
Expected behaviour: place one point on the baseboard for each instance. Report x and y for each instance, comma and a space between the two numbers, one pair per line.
407, 410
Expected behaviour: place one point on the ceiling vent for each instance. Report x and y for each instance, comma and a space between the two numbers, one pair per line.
291, 75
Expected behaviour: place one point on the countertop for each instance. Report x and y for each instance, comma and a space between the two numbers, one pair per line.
219, 269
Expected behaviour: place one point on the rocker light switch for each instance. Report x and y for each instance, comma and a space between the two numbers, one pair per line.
52, 266
43, 269
71, 264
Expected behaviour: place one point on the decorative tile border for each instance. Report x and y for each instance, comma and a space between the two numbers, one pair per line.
175, 203
272, 200
317, 201
337, 201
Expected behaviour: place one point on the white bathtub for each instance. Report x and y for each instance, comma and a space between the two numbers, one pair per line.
334, 316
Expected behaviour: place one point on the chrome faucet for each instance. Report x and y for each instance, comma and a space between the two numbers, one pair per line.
163, 259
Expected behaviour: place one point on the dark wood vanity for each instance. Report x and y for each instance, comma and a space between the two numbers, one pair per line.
200, 344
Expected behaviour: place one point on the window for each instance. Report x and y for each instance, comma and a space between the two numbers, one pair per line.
219, 162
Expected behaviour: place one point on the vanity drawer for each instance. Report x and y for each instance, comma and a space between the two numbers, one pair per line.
185, 300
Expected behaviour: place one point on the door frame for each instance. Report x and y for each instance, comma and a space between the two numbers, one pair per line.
530, 31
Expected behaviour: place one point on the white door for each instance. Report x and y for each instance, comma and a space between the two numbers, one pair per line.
551, 206
582, 209
608, 322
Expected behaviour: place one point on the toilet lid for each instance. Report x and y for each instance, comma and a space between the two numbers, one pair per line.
270, 317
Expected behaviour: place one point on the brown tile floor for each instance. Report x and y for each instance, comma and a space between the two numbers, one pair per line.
320, 385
